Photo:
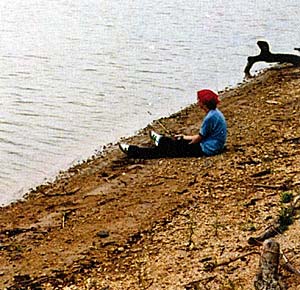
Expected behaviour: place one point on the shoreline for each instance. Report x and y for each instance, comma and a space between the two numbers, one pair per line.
105, 149
150, 224
76, 165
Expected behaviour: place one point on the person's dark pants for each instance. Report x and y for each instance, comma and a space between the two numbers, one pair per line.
167, 147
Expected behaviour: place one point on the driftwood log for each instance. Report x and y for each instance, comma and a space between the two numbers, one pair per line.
267, 56
267, 277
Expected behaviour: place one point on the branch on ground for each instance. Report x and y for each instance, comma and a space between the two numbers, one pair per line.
285, 218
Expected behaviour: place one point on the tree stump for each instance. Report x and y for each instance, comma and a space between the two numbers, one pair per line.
267, 56
267, 277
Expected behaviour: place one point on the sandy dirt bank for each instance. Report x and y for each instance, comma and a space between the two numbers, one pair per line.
116, 223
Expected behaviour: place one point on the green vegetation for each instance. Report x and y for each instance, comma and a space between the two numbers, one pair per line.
285, 218
286, 197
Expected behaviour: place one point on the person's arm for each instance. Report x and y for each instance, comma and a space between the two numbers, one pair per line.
192, 138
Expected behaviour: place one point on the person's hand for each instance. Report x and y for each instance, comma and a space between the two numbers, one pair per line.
194, 139
179, 137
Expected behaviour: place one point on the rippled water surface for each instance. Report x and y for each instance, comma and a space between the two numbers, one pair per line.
76, 75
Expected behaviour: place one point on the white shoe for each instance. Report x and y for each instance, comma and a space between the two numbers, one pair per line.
124, 147
155, 137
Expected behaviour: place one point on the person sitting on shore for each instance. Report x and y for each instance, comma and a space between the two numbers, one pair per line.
209, 141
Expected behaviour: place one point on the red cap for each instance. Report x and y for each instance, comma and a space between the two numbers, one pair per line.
207, 96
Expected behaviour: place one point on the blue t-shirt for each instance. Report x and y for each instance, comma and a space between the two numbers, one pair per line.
214, 132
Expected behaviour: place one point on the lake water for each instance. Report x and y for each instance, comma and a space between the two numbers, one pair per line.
76, 75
